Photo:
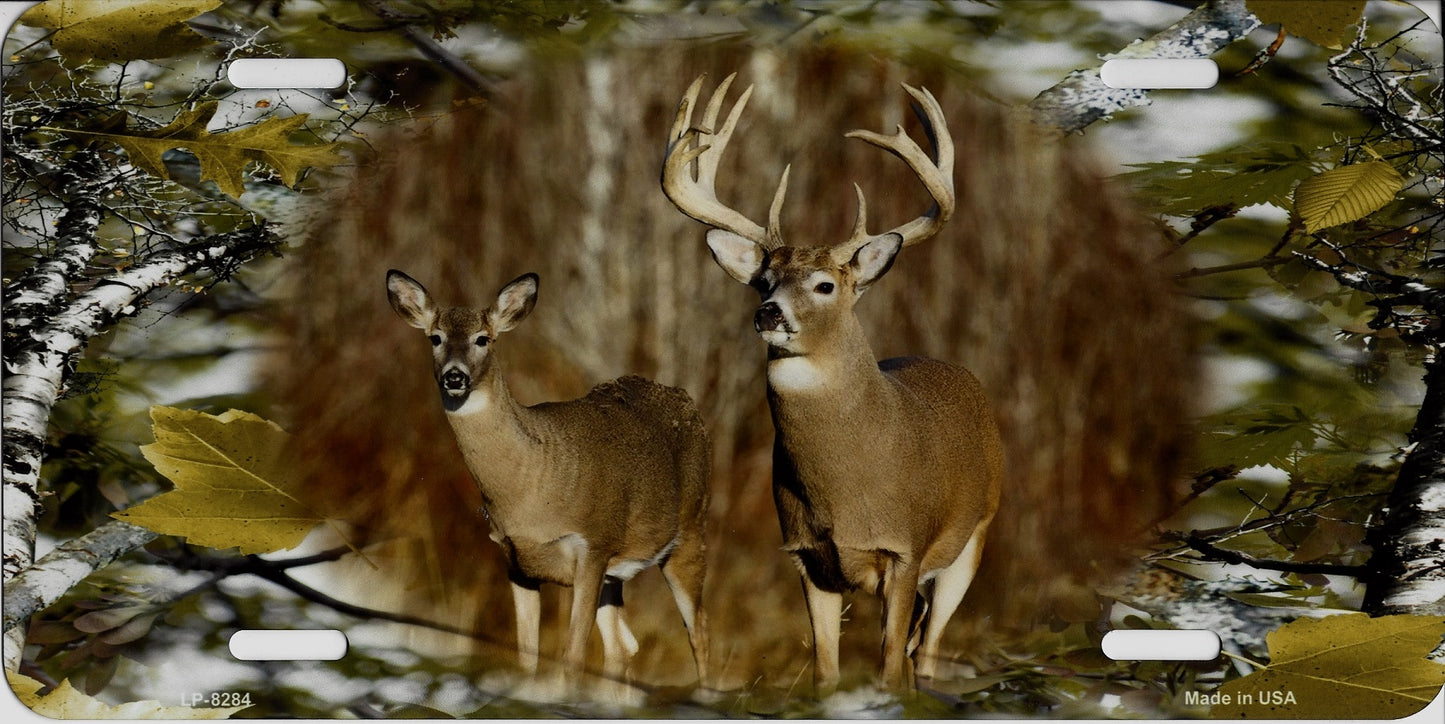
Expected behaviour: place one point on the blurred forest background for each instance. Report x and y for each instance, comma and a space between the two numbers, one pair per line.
1208, 387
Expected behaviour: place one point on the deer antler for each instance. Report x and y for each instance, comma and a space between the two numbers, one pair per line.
689, 174
936, 173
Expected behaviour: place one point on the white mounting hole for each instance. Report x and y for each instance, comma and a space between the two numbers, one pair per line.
288, 645
1155, 73
1165, 645
283, 73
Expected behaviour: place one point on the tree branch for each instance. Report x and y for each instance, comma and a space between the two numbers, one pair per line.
1261, 263
42, 584
276, 571
38, 361
433, 50
1223, 555
1082, 98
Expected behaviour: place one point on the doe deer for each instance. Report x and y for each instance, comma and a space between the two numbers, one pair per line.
885, 474
584, 493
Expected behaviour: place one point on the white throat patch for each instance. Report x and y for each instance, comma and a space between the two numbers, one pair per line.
794, 373
477, 401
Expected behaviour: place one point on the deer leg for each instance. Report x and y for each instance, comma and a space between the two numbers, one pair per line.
825, 610
684, 570
920, 615
618, 643
948, 589
900, 587
527, 602
586, 589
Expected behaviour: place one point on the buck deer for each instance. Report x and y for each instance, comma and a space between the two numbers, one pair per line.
584, 493
885, 474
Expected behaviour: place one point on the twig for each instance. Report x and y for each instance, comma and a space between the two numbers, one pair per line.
1221, 555
468, 75
1264, 56
1262, 263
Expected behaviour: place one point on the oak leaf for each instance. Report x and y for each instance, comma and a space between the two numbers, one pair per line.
235, 486
223, 156
66, 703
1348, 666
120, 30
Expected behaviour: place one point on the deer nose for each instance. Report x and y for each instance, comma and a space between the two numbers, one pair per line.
455, 380
769, 317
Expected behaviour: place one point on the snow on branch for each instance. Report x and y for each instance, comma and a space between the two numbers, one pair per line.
1082, 98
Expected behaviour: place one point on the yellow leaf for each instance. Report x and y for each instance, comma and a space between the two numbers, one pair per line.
234, 485
1348, 666
120, 30
1344, 194
223, 156
67, 703
1322, 22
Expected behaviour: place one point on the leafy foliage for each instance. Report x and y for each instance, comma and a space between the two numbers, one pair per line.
1347, 193
1263, 173
85, 638
1332, 435
65, 703
234, 487
109, 30
223, 156
1344, 667
1323, 22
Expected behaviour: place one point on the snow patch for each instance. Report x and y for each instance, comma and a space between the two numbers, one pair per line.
866, 703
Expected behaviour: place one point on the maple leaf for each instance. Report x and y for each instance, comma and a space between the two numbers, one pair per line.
223, 156
1348, 666
234, 483
66, 703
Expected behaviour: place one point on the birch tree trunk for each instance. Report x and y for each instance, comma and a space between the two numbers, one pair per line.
48, 325
1409, 545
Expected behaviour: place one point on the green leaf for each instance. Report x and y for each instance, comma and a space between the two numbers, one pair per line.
120, 29
1264, 435
1259, 174
234, 486
1348, 666
1347, 193
223, 156
65, 702
1322, 22
107, 619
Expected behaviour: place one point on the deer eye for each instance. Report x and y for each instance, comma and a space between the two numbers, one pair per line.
436, 340
483, 340
824, 288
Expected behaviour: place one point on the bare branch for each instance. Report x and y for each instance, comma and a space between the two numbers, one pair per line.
402, 23
1222, 555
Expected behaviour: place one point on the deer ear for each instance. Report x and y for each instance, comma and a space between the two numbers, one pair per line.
874, 259
740, 257
410, 300
514, 302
